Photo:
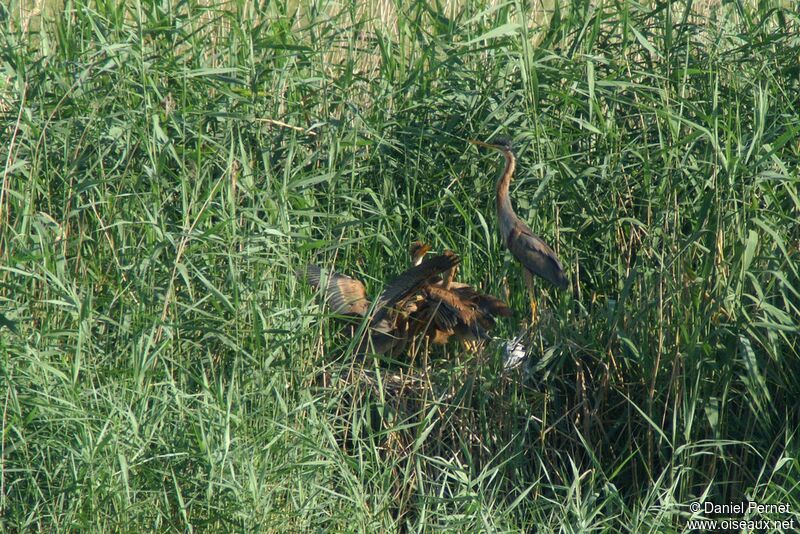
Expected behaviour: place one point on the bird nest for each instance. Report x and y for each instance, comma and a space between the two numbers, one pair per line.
419, 383
407, 387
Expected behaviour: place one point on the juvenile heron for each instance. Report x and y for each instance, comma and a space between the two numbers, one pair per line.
388, 330
536, 256
451, 308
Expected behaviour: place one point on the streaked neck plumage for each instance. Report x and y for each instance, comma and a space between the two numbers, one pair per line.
503, 183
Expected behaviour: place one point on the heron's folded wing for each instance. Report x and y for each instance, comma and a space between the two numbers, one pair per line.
536, 256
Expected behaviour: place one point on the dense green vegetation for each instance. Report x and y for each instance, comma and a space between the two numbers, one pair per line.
166, 166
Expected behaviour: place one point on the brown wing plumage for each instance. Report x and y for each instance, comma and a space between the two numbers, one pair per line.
470, 319
414, 300
389, 329
455, 312
450, 308
488, 305
345, 295
415, 278
536, 255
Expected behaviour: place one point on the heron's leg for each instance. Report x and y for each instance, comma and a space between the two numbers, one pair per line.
534, 306
470, 345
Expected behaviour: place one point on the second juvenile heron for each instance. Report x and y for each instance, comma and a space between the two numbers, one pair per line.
454, 309
536, 256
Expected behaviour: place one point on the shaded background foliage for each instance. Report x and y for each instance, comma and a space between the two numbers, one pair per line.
167, 165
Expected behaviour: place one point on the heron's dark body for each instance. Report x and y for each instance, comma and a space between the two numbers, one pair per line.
531, 251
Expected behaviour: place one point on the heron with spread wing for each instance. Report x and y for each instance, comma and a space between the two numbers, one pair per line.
454, 309
389, 329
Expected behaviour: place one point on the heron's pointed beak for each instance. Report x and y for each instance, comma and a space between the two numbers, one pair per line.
485, 145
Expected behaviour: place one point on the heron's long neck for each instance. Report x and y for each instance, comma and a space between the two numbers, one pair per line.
503, 200
449, 276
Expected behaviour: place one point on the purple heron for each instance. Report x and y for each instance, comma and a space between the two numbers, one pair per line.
388, 329
452, 308
536, 256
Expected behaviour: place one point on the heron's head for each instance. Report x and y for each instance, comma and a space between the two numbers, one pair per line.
503, 144
417, 251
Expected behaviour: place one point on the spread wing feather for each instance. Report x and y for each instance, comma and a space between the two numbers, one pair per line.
412, 280
345, 295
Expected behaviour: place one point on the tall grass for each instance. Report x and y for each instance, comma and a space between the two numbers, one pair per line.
167, 165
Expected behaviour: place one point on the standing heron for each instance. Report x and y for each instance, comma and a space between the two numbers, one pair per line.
536, 256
